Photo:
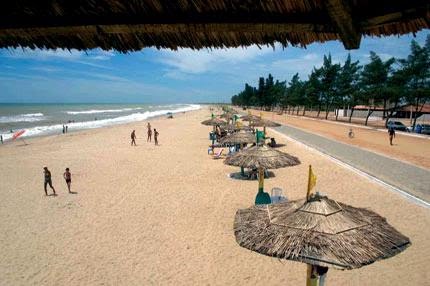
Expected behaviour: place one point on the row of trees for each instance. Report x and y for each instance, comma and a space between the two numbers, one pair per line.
390, 83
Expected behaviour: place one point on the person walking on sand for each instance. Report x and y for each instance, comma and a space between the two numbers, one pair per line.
68, 177
48, 180
156, 136
391, 134
149, 133
133, 138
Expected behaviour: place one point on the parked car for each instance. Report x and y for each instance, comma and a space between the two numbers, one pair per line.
423, 128
396, 125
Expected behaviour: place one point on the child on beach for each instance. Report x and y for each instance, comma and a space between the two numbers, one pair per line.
149, 133
68, 177
133, 138
48, 180
156, 136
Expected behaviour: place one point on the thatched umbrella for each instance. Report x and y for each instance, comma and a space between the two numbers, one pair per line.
262, 157
250, 117
320, 232
239, 138
214, 122
263, 123
235, 127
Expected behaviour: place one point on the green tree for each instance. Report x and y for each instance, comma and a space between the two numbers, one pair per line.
417, 71
347, 84
328, 76
374, 80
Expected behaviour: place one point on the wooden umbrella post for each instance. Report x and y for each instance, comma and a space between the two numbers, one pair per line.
260, 180
311, 278
262, 198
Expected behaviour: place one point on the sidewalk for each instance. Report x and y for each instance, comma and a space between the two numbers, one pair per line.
411, 179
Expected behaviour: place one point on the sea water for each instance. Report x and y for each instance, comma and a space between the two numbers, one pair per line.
47, 119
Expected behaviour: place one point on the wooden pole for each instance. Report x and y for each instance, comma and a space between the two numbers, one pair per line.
309, 183
311, 278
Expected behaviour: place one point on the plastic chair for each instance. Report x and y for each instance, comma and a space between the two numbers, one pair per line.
218, 155
276, 195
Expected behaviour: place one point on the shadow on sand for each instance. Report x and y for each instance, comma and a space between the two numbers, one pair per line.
239, 176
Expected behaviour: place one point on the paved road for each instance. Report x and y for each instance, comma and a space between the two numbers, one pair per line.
405, 177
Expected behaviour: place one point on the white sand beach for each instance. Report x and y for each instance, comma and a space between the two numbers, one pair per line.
163, 215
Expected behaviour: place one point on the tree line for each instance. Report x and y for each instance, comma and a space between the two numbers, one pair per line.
389, 83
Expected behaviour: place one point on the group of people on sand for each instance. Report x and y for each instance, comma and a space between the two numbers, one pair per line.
48, 180
149, 138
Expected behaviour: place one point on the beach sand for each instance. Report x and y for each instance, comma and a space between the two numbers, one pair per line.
414, 150
164, 214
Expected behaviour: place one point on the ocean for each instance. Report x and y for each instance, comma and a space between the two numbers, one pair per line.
47, 119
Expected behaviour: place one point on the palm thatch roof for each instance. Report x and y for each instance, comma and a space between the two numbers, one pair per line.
214, 122
319, 232
235, 127
239, 138
227, 115
263, 123
250, 117
261, 156
133, 25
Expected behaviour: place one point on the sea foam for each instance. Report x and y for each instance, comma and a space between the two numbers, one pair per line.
28, 117
138, 116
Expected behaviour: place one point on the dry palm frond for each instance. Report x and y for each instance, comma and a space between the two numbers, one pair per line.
239, 138
262, 156
319, 232
214, 122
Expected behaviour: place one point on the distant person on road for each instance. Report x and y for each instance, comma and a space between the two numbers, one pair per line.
156, 136
133, 138
68, 177
149, 133
391, 134
48, 180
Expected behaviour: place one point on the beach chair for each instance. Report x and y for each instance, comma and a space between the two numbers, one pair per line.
276, 195
218, 155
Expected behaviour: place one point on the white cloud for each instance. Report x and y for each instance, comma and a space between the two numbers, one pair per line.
75, 56
197, 62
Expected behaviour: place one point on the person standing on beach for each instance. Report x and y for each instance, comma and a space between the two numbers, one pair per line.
149, 133
1, 139
64, 129
133, 138
156, 136
391, 134
48, 180
67, 127
68, 177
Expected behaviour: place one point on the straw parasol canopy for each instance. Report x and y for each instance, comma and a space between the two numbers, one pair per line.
239, 138
262, 156
214, 122
227, 115
250, 117
263, 123
234, 127
320, 232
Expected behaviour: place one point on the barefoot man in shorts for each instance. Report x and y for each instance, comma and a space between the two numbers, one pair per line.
48, 180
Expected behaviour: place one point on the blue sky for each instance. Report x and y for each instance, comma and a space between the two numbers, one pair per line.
165, 76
